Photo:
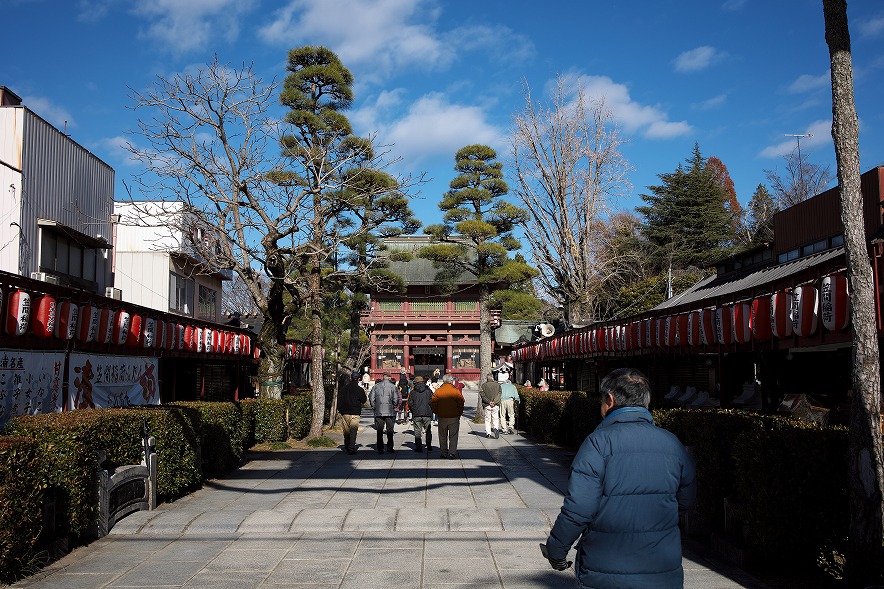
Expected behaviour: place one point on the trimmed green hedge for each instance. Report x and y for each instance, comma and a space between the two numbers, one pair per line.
23, 486
220, 432
562, 417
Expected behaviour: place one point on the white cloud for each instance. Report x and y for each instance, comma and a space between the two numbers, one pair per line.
651, 121
380, 37
116, 150
872, 27
499, 43
377, 33
821, 132
432, 126
697, 59
189, 25
710, 103
51, 112
808, 83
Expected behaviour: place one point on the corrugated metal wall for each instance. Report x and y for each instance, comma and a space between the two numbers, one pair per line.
63, 182
820, 217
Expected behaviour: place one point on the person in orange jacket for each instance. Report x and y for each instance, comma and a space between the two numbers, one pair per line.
448, 405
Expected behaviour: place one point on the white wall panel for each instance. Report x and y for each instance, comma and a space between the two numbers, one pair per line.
144, 278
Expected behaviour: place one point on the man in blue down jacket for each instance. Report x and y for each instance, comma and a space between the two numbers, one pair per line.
629, 482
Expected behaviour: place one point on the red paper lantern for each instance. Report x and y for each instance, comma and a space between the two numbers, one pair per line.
670, 331
66, 325
781, 314
198, 339
659, 332
122, 321
87, 323
707, 327
693, 330
106, 322
834, 302
169, 333
742, 323
600, 344
642, 341
681, 328
133, 337
18, 313
149, 335
805, 303
759, 320
724, 325
45, 316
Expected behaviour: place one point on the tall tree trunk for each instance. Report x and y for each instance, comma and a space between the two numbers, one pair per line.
316, 375
865, 562
272, 343
484, 333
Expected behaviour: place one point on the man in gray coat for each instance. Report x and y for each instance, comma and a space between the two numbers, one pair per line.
629, 482
384, 397
489, 392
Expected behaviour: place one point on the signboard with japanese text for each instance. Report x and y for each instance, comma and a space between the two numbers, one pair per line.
30, 383
95, 380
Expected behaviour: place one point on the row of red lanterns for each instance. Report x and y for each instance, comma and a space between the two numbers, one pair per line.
786, 313
47, 317
300, 352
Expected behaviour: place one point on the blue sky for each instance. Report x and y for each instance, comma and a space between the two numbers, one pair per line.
734, 76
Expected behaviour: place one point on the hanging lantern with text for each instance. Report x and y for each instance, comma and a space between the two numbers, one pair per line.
834, 302
18, 313
805, 302
759, 321
742, 313
45, 316
781, 314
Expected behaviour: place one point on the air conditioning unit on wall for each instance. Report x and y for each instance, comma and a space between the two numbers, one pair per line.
44, 277
113, 293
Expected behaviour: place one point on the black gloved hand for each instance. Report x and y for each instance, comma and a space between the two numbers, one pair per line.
559, 564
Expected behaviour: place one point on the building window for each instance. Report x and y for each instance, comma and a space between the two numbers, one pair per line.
389, 306
838, 240
465, 305
428, 306
207, 307
390, 358
180, 294
465, 357
61, 255
787, 256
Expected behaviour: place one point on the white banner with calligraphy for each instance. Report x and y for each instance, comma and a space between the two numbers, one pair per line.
30, 383
95, 380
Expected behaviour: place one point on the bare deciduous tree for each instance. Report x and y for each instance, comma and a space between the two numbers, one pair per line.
211, 144
865, 456
799, 181
570, 172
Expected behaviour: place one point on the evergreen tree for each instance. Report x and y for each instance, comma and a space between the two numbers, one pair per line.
762, 208
686, 219
476, 234
334, 172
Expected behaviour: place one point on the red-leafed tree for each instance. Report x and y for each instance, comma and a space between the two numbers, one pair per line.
731, 204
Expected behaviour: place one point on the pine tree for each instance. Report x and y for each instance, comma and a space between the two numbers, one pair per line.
686, 219
476, 235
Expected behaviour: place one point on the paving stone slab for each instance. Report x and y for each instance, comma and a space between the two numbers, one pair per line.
370, 520
474, 520
523, 519
319, 520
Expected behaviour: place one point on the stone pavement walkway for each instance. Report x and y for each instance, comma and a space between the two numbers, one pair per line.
323, 519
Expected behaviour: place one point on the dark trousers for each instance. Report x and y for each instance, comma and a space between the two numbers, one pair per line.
379, 424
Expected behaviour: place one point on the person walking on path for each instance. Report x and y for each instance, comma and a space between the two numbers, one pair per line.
490, 395
404, 389
350, 401
421, 403
384, 397
629, 481
447, 403
509, 400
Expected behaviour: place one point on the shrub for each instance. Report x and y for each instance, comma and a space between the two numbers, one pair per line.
791, 480
270, 420
23, 486
300, 413
562, 417
220, 434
